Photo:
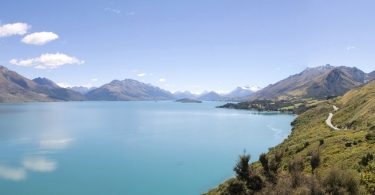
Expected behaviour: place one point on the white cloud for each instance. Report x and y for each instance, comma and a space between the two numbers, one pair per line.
39, 38
113, 10
131, 13
162, 80
47, 61
94, 79
15, 174
141, 74
7, 30
348, 48
39, 164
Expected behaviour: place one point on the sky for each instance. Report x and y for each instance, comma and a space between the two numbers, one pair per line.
181, 45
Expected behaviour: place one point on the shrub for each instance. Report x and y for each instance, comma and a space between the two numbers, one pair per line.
348, 144
242, 167
255, 183
321, 142
315, 187
315, 160
370, 136
295, 167
236, 187
278, 156
366, 159
264, 161
368, 177
341, 182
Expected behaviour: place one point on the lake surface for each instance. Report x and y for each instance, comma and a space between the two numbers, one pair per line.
133, 148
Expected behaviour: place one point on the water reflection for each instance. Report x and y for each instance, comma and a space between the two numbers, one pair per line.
55, 143
34, 161
39, 164
11, 173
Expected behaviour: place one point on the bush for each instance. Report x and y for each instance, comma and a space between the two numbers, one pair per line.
321, 142
315, 160
236, 187
370, 136
242, 167
255, 183
348, 144
341, 182
295, 167
264, 161
366, 159
315, 187
278, 156
368, 177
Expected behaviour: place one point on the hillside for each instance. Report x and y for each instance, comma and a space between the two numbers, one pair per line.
128, 89
318, 83
343, 157
54, 91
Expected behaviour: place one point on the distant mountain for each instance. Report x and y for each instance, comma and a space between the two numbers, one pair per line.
16, 88
81, 89
54, 91
211, 96
318, 82
370, 76
241, 92
128, 89
184, 94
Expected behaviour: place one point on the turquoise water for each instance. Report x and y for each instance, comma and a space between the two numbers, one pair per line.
130, 148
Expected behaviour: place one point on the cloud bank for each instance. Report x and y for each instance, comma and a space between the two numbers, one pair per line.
47, 61
39, 38
7, 30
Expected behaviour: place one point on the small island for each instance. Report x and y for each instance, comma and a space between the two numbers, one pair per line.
187, 100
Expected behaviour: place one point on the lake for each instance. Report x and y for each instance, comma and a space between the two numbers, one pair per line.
134, 148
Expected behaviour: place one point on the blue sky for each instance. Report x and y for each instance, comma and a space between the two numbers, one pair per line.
186, 45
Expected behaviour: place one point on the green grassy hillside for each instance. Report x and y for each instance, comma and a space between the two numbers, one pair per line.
345, 157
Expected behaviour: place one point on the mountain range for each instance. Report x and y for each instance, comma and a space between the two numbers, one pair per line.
128, 89
16, 88
319, 82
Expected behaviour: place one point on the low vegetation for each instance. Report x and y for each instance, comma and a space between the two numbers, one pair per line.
290, 106
315, 159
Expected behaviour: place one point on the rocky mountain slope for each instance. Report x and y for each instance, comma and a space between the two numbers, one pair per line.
319, 83
128, 89
16, 88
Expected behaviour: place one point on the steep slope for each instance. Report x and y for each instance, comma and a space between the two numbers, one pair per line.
358, 109
349, 149
16, 88
128, 89
51, 89
320, 82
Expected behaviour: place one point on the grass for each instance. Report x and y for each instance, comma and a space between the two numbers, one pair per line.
341, 149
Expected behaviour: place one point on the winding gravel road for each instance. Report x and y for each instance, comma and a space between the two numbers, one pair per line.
329, 119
